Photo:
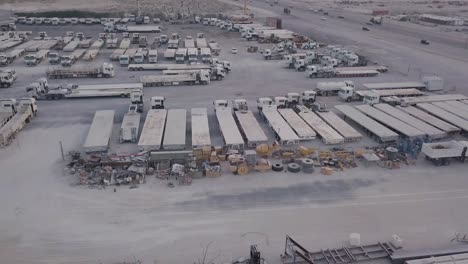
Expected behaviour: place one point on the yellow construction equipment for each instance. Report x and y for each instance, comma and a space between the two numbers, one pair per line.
265, 150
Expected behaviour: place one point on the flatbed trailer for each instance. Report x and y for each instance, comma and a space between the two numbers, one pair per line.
325, 132
378, 68
169, 80
382, 133
170, 54
432, 98
153, 130
162, 67
444, 115
143, 29
176, 128
115, 55
103, 71
394, 85
430, 131
452, 109
441, 153
344, 129
89, 91
100, 132
5, 117
231, 134
349, 73
302, 129
130, 128
200, 128
391, 92
131, 52
283, 132
125, 43
250, 128
430, 119
78, 53
71, 46
389, 121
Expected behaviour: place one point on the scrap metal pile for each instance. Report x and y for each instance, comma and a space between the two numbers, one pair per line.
101, 170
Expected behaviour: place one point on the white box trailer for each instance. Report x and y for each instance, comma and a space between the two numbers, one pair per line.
432, 98
283, 132
189, 43
389, 121
201, 43
382, 133
200, 128
125, 43
444, 115
130, 128
170, 54
344, 129
430, 131
153, 130
176, 128
214, 47
458, 104
116, 54
430, 119
90, 54
326, 132
452, 109
97, 44
250, 128
71, 46
100, 132
231, 134
302, 129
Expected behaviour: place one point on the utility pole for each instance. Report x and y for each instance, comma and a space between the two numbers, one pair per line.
138, 8
245, 7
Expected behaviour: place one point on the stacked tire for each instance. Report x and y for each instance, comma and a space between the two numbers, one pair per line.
307, 165
294, 167
277, 166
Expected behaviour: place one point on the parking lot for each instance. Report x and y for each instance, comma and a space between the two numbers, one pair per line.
47, 218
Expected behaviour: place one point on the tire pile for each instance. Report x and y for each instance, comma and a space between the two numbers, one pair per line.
306, 165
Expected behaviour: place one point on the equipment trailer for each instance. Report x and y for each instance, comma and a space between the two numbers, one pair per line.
441, 153
106, 70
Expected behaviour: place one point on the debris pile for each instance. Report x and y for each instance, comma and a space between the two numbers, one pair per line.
101, 170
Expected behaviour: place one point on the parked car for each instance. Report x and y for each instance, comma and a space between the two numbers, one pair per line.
365, 29
425, 42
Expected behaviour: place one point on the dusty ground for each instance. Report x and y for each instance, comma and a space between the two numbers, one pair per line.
46, 218
147, 6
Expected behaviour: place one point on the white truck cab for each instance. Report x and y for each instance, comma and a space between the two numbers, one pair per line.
157, 102
239, 104
263, 101
280, 101
8, 106
293, 98
124, 60
346, 93
308, 96
220, 103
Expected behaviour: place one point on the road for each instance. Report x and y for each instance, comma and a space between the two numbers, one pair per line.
392, 44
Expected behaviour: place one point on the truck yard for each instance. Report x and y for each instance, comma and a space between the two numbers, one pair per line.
90, 179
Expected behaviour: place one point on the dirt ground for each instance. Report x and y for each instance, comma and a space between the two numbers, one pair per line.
46, 218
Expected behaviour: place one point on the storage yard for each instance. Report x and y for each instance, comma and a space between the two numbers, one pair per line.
191, 138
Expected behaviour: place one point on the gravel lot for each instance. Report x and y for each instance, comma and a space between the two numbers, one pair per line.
46, 218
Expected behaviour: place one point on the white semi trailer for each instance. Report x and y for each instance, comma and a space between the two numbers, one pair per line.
100, 132
27, 109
